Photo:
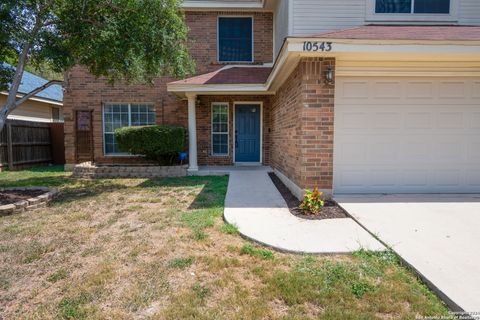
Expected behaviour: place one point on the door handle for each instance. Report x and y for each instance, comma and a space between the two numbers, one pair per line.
236, 139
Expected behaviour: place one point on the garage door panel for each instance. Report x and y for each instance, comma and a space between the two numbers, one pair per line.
420, 90
416, 178
452, 90
473, 152
475, 89
474, 121
407, 135
450, 120
418, 120
387, 90
473, 178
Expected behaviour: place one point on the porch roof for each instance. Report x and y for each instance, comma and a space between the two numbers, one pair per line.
227, 80
231, 76
428, 33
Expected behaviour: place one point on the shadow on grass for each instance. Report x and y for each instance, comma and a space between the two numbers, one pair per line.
212, 194
71, 189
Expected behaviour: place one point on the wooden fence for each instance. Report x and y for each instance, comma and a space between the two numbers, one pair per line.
25, 143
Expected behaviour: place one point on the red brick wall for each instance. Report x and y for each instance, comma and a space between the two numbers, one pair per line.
85, 92
286, 127
302, 125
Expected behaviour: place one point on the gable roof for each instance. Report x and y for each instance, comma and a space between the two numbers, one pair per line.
382, 32
230, 75
31, 82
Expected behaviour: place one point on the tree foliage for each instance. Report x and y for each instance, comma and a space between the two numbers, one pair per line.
132, 40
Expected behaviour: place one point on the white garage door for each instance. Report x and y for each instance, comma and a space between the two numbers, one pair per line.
407, 135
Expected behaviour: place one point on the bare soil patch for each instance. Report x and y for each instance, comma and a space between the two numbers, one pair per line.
331, 210
12, 196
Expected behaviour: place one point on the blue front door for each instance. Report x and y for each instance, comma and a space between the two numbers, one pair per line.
247, 133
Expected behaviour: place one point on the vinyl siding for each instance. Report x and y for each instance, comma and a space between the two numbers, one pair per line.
317, 16
33, 111
469, 12
281, 24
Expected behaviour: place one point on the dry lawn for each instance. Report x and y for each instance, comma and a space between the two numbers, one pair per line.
159, 249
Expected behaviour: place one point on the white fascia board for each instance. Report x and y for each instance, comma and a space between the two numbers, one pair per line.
218, 89
199, 5
55, 102
345, 46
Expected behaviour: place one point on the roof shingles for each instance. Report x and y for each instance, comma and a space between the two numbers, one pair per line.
234, 75
31, 82
429, 33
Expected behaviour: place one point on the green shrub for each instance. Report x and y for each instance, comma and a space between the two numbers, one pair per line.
153, 142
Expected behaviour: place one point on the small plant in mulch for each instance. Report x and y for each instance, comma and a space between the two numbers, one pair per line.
313, 207
312, 201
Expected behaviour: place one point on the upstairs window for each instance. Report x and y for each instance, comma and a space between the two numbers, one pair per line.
235, 39
413, 6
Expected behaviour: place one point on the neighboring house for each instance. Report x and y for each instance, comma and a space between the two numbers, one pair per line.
46, 106
352, 96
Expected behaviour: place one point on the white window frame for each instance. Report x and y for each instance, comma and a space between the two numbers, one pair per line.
372, 16
218, 37
222, 104
122, 154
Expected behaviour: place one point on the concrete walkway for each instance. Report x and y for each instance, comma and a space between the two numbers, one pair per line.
438, 235
255, 206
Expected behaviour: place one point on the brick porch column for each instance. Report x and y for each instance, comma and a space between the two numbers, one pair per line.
192, 133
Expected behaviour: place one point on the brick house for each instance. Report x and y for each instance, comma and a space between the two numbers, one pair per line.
352, 96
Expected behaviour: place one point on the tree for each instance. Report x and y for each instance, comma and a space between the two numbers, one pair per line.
129, 40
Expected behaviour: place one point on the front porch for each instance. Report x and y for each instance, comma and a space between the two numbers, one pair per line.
228, 131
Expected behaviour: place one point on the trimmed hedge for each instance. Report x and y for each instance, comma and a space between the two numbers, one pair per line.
153, 142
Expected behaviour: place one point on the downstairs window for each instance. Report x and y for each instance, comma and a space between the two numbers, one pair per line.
220, 129
119, 115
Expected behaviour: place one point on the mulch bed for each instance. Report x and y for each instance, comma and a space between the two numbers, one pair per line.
9, 197
331, 210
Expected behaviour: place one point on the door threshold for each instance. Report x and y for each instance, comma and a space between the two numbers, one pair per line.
248, 164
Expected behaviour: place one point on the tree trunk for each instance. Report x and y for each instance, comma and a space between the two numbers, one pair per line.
3, 116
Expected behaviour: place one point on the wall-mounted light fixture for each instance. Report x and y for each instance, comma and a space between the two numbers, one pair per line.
329, 75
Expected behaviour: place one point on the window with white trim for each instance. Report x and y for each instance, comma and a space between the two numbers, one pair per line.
413, 6
118, 115
220, 129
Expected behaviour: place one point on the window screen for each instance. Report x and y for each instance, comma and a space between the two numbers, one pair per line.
220, 129
432, 6
116, 116
393, 6
413, 6
235, 39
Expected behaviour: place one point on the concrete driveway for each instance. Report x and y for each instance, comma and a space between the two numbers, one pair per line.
438, 235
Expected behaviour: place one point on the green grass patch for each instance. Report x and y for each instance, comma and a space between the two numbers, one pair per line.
57, 275
228, 228
257, 252
181, 263
73, 308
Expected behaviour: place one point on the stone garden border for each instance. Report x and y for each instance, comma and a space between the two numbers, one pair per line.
91, 171
29, 204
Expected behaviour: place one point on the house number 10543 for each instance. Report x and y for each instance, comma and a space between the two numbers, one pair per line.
317, 46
